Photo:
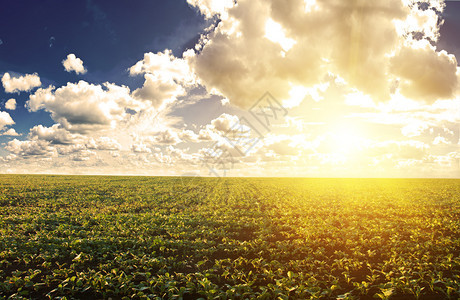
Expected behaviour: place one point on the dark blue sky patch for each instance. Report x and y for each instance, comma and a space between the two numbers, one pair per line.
106, 35
450, 30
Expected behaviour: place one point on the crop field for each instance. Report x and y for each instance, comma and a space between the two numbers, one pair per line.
96, 237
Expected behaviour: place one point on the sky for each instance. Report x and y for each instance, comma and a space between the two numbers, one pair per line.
311, 88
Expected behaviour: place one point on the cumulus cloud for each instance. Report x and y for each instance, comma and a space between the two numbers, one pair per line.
210, 8
54, 134
223, 125
241, 63
440, 140
423, 21
424, 73
365, 43
167, 137
70, 149
21, 83
188, 135
73, 63
415, 128
56, 139
11, 132
104, 143
83, 106
224, 122
164, 64
140, 148
83, 155
159, 90
166, 77
10, 104
176, 154
5, 119
30, 148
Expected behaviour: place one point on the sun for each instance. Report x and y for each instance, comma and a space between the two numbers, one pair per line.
346, 138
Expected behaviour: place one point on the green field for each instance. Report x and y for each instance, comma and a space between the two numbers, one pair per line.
93, 237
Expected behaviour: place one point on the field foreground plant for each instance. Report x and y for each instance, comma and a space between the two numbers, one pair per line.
93, 237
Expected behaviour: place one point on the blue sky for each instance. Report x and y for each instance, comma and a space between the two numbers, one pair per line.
110, 36
155, 87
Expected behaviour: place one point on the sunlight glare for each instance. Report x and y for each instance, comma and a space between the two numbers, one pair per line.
347, 138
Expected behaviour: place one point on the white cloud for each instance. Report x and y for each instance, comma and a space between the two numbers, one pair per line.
159, 90
232, 60
167, 137
188, 135
140, 148
54, 134
75, 147
10, 104
224, 122
85, 107
93, 122
415, 128
5, 119
424, 73
440, 140
164, 64
166, 78
105, 143
21, 83
210, 8
73, 63
30, 148
10, 132
83, 155
70, 149
422, 23
359, 41
223, 125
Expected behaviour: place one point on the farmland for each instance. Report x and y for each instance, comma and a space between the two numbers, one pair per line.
95, 237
